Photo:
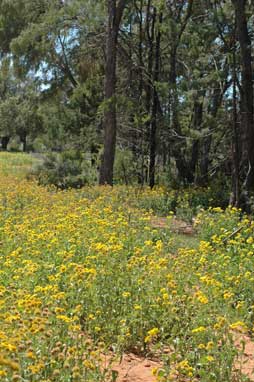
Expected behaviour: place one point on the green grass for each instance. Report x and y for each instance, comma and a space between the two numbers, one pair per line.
184, 241
17, 164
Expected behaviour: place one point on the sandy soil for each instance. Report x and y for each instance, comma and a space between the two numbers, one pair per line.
135, 369
176, 225
246, 360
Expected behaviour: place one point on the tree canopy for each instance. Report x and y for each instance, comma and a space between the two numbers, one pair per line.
166, 85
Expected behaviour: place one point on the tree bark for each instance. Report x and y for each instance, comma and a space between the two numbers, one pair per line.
235, 196
247, 96
197, 122
115, 13
153, 143
181, 164
4, 142
207, 141
140, 91
150, 33
23, 140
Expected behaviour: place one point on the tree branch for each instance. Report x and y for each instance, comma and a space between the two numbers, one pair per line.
186, 18
66, 66
119, 13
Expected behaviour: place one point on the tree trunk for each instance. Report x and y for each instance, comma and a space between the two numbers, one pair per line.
150, 33
176, 128
153, 142
94, 149
205, 161
141, 178
246, 95
235, 199
23, 140
115, 12
197, 122
207, 141
178, 153
4, 142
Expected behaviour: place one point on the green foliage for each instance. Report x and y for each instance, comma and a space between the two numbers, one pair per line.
17, 165
52, 72
65, 170
215, 222
18, 105
185, 203
125, 168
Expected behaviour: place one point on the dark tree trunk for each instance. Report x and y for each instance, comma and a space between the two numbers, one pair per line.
23, 140
207, 141
153, 142
115, 12
150, 33
177, 142
4, 142
24, 144
205, 161
140, 91
197, 122
134, 132
176, 128
94, 148
235, 198
246, 96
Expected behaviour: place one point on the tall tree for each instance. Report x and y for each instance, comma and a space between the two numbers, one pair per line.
155, 105
180, 16
247, 96
115, 13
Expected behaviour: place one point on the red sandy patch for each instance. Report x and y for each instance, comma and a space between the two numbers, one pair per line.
132, 368
135, 369
245, 363
176, 225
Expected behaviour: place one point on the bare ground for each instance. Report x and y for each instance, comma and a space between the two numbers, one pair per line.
133, 368
175, 225
246, 359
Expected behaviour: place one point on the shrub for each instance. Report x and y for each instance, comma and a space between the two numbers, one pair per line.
125, 168
216, 222
65, 170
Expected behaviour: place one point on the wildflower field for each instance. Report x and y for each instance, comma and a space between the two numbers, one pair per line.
84, 274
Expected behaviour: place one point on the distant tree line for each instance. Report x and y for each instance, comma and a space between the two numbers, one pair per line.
168, 84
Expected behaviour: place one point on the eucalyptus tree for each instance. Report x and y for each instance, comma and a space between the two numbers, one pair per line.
115, 14
62, 45
247, 94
